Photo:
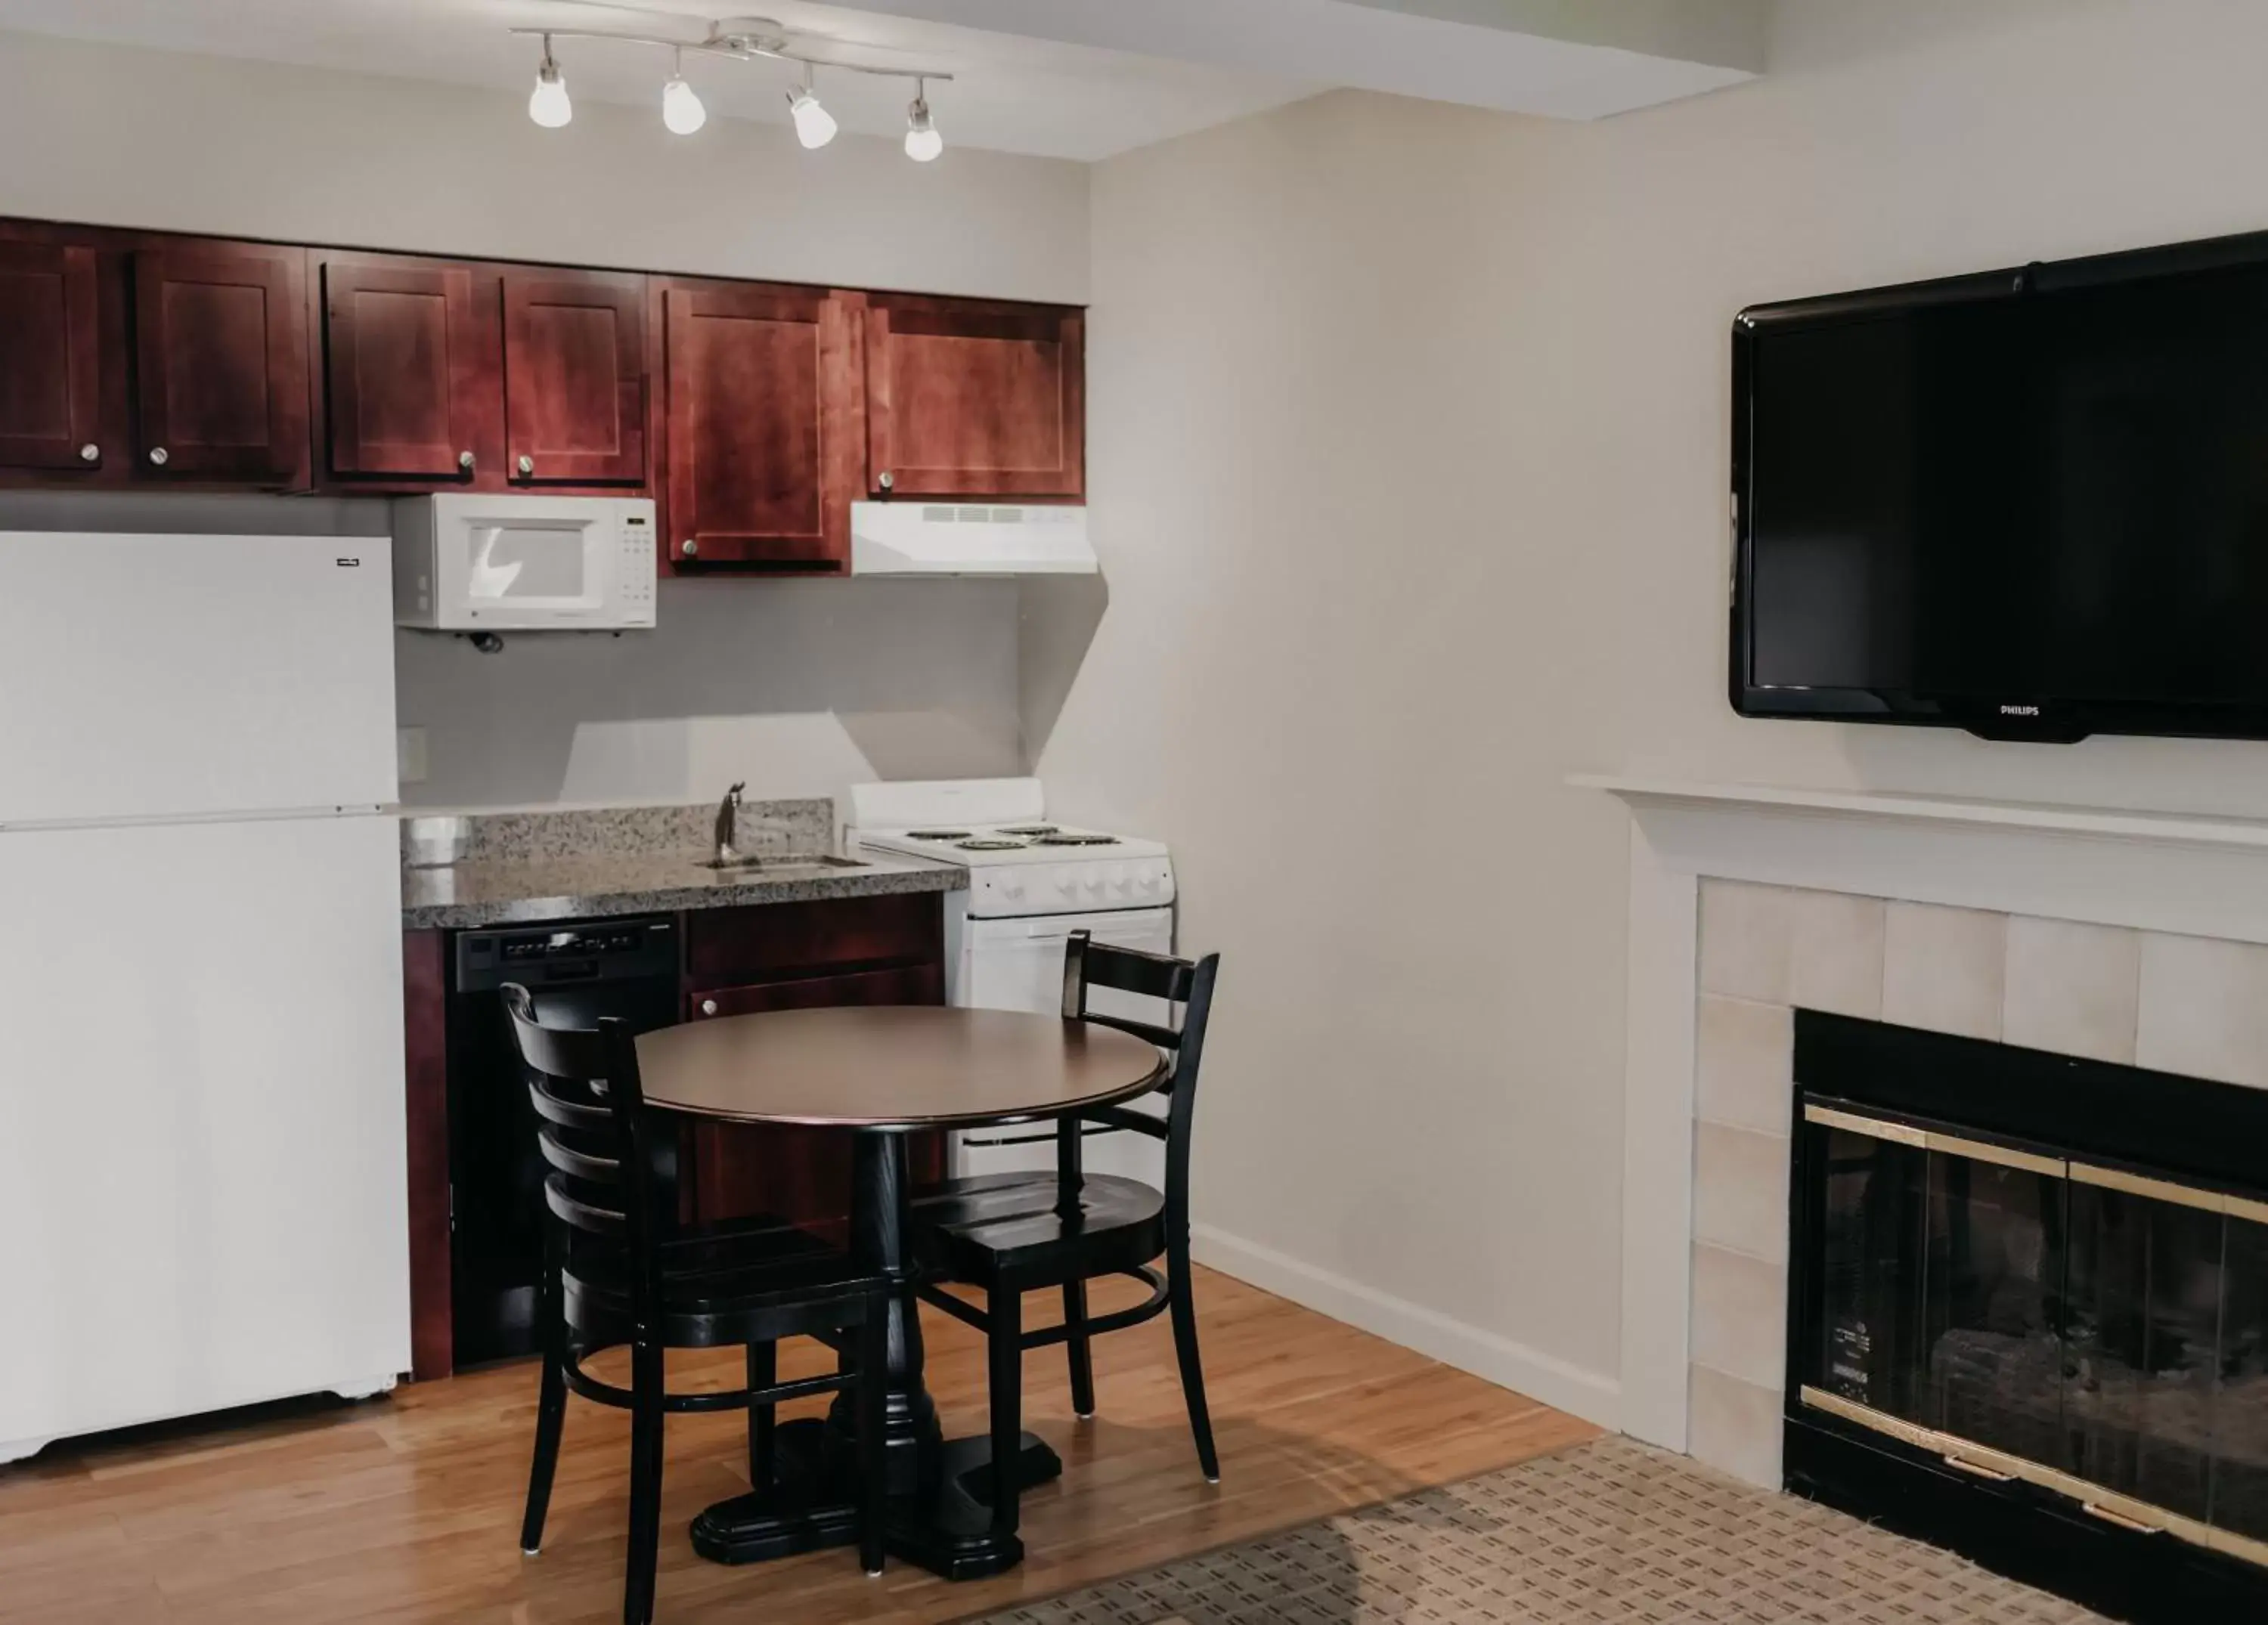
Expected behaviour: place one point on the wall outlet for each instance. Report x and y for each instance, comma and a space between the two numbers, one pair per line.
409, 755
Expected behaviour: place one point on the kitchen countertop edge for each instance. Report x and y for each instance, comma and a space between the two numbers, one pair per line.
493, 901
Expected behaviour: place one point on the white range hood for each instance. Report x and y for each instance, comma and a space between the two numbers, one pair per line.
968, 538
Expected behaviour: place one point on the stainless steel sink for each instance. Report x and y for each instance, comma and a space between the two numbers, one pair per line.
779, 862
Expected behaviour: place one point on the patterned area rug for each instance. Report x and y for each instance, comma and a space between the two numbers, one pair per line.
1610, 1534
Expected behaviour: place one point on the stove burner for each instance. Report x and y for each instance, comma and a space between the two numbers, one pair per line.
1030, 829
937, 834
1064, 840
988, 845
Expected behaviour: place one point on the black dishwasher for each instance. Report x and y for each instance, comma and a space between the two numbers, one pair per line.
578, 972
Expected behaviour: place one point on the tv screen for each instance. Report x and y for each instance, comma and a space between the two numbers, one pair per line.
2031, 503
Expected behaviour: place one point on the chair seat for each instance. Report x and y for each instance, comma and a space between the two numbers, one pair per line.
735, 1284
1004, 1227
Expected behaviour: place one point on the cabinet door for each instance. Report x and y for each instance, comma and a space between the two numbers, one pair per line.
50, 357
764, 401
975, 398
410, 373
799, 1175
574, 378
221, 341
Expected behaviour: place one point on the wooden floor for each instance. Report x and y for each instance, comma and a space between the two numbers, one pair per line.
409, 1508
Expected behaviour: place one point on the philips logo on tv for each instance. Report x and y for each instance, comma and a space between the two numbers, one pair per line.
2020, 710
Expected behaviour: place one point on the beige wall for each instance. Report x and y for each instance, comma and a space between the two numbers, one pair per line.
1410, 431
797, 686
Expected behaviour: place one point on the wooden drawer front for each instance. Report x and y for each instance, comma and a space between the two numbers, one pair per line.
911, 984
779, 942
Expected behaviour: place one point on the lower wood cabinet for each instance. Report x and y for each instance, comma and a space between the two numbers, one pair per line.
887, 950
799, 1175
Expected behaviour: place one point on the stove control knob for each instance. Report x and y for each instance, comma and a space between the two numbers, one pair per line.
1015, 889
1067, 886
1095, 885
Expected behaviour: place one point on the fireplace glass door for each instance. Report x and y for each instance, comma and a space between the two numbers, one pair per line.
2095, 1332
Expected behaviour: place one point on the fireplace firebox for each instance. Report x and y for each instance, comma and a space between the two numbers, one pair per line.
2027, 1313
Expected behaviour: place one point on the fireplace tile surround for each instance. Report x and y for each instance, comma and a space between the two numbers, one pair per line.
2136, 937
2165, 1002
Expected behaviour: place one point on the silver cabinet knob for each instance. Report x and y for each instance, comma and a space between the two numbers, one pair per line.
465, 461
90, 452
157, 455
886, 480
526, 465
689, 548
707, 1007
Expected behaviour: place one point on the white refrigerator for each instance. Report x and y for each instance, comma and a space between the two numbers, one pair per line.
203, 1179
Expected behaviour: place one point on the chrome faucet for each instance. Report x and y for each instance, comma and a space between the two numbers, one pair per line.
728, 819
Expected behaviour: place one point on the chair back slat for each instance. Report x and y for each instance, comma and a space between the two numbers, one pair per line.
1187, 985
583, 1216
581, 1164
593, 1129
1164, 1037
543, 1093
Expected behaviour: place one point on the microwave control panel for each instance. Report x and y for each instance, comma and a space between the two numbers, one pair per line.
637, 564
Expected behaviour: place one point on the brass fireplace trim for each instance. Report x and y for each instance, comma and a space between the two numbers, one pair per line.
1929, 1139
1983, 1461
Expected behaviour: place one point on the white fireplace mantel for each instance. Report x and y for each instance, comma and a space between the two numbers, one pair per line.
2182, 874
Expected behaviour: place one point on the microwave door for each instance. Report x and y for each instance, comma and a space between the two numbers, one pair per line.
533, 565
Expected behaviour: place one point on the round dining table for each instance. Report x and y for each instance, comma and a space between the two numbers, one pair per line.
880, 1073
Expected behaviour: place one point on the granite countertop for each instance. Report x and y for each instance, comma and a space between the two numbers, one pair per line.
526, 868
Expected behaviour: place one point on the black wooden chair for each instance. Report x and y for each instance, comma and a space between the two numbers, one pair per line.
614, 1272
1012, 1233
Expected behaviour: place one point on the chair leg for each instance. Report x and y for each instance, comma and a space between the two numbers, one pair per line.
1080, 1348
1004, 1350
646, 1484
763, 1372
874, 1443
1185, 1348
550, 1418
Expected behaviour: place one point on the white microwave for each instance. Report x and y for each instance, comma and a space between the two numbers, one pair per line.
464, 562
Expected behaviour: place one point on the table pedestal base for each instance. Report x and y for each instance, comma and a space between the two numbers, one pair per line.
945, 1528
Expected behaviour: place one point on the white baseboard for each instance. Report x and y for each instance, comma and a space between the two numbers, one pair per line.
1592, 1395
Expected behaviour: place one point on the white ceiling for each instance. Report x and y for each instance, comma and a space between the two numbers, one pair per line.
1016, 95
1079, 79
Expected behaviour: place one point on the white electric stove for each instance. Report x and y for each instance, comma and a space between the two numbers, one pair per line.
1032, 882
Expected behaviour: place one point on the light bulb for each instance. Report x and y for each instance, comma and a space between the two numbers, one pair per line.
814, 125
546, 103
923, 142
681, 108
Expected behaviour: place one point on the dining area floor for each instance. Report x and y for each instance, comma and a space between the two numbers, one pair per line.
405, 1508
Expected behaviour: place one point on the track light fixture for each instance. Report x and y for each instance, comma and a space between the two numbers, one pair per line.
680, 109
814, 125
546, 103
742, 39
923, 142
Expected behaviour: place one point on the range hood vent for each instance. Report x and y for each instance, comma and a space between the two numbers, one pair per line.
968, 538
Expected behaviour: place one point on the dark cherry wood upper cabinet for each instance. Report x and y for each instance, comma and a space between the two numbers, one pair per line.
50, 357
574, 378
221, 345
410, 389
762, 409
975, 398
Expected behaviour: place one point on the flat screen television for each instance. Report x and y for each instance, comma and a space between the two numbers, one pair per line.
2029, 502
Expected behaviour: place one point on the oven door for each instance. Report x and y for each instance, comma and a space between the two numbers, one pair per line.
1018, 965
